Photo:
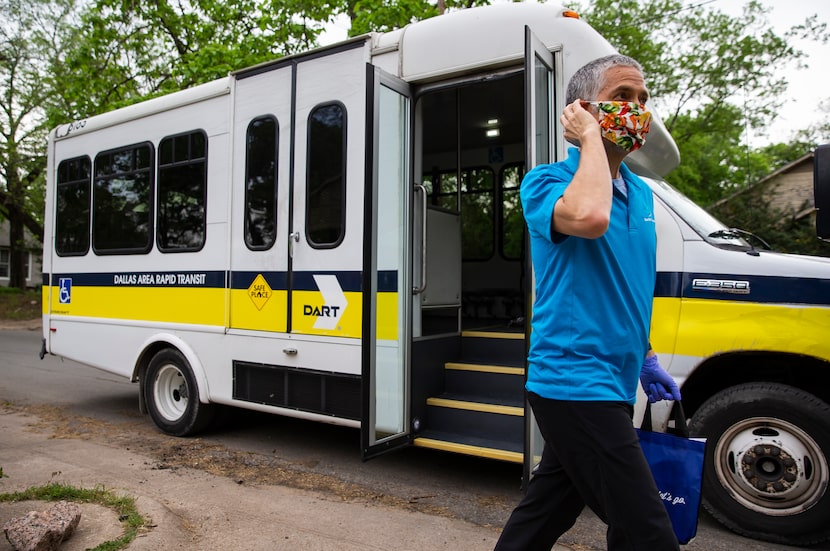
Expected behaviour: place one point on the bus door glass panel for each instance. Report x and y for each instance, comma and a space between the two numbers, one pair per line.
259, 243
437, 220
388, 264
326, 236
540, 105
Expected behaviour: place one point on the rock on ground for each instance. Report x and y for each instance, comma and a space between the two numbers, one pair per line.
43, 530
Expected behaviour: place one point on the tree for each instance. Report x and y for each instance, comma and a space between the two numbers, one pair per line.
61, 61
784, 231
713, 76
386, 15
24, 38
125, 51
128, 51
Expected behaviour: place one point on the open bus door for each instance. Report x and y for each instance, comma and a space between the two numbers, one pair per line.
542, 97
387, 280
821, 189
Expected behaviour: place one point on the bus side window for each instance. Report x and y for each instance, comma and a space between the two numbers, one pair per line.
326, 180
477, 216
72, 207
261, 183
512, 221
442, 189
182, 192
122, 195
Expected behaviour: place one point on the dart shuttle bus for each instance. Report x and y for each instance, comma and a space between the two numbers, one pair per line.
337, 236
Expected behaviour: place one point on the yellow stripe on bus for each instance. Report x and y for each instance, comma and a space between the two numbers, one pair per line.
206, 306
203, 306
708, 327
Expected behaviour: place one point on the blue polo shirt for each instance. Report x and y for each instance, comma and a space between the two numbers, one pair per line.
592, 312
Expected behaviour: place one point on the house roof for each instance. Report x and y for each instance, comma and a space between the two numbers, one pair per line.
789, 167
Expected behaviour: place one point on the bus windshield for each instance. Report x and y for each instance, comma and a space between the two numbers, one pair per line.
704, 224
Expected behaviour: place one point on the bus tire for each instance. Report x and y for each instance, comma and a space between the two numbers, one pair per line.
172, 395
767, 455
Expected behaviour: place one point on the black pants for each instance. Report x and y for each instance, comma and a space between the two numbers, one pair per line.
591, 457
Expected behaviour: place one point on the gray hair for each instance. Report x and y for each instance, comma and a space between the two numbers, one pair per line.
589, 79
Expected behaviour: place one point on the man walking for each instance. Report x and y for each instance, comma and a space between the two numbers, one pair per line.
593, 243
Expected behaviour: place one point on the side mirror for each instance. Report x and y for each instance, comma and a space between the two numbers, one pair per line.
821, 190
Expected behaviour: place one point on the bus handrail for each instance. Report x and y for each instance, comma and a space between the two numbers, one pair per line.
418, 289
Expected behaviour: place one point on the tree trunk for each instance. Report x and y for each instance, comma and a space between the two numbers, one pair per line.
14, 200
17, 254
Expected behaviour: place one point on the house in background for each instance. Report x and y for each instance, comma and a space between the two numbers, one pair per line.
33, 263
787, 191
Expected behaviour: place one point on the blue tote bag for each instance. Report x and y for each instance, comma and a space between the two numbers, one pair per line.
676, 463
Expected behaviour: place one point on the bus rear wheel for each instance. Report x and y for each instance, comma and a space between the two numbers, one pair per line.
173, 396
767, 462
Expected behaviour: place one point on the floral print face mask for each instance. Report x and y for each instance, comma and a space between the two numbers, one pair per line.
624, 123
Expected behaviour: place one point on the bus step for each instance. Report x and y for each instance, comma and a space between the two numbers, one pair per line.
500, 347
476, 421
479, 447
498, 383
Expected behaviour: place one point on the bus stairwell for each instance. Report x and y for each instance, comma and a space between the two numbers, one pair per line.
481, 409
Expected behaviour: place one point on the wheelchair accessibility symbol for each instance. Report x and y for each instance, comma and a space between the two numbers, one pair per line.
65, 286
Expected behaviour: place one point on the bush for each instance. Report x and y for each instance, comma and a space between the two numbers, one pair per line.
16, 304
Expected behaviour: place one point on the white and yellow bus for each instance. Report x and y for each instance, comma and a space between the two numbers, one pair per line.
337, 236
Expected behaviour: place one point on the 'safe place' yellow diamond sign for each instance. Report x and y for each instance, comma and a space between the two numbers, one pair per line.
259, 291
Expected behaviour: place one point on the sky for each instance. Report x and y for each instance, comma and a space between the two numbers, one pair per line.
807, 87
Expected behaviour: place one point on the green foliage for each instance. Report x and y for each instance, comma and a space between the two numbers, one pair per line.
130, 518
698, 59
125, 51
709, 153
19, 305
702, 63
784, 232
24, 35
22, 132
10, 291
386, 15
715, 79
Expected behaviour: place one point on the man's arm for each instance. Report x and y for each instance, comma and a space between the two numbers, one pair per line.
584, 210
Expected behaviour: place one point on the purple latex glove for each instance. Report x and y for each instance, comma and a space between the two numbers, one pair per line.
657, 384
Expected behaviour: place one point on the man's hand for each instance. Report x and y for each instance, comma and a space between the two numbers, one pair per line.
657, 384
579, 123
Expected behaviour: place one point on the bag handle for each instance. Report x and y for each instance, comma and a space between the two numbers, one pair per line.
680, 428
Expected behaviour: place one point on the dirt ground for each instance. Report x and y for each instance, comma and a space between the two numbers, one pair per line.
205, 496
174, 455
171, 454
245, 468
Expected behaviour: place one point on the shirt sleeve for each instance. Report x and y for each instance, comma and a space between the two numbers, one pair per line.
541, 189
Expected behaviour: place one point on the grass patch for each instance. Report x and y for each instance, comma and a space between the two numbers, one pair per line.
19, 305
130, 519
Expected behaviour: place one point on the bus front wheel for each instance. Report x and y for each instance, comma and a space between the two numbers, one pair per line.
767, 455
173, 396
